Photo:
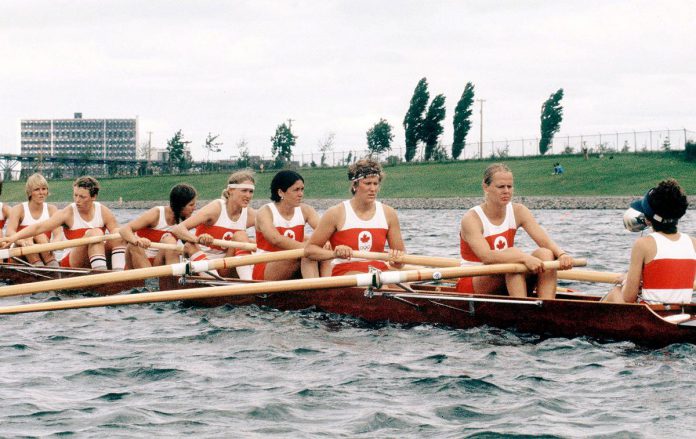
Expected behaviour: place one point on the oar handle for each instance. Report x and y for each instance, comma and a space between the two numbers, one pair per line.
234, 244
163, 246
430, 261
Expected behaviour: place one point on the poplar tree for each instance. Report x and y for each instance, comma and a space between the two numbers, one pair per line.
551, 117
462, 120
413, 120
282, 143
432, 125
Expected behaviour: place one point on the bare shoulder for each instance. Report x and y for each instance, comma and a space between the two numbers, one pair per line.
307, 209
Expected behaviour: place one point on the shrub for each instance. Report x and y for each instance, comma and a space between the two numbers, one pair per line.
690, 150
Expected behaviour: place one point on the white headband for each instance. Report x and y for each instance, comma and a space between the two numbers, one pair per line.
240, 186
370, 173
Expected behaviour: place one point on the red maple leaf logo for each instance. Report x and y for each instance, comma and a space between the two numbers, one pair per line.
364, 238
500, 245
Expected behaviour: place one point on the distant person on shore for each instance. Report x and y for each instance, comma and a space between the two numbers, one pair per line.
35, 210
359, 224
663, 264
557, 169
487, 236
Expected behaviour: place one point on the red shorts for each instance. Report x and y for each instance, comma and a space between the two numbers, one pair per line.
258, 271
359, 266
65, 262
465, 285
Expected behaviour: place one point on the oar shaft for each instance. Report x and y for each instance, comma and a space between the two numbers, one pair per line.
51, 246
234, 244
366, 279
592, 276
430, 261
144, 273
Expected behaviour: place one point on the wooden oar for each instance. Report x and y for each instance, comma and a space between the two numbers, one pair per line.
592, 276
144, 273
234, 244
356, 280
428, 261
51, 246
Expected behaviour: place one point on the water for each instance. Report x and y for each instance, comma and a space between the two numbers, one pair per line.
168, 370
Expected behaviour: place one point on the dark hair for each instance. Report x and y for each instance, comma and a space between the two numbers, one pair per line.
669, 201
283, 180
89, 183
179, 197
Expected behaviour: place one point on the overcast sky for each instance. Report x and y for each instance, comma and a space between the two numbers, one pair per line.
239, 69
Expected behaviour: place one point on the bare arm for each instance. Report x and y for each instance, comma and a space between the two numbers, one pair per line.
14, 218
328, 224
311, 216
264, 224
526, 220
148, 219
206, 215
634, 276
394, 238
472, 232
61, 217
109, 220
251, 217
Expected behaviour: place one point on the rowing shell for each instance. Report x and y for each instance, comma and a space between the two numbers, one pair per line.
569, 315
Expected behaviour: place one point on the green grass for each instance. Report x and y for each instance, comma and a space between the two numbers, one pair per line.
624, 174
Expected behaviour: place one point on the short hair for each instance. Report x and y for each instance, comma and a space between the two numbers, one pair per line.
179, 196
34, 181
492, 169
365, 167
283, 180
668, 200
239, 177
89, 183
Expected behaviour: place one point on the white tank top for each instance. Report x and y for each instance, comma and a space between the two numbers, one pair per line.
80, 223
225, 221
29, 220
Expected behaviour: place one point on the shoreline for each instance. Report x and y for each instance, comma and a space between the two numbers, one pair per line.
533, 202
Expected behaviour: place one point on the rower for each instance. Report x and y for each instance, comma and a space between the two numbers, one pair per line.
31, 212
84, 217
662, 268
155, 226
226, 218
361, 223
280, 225
487, 236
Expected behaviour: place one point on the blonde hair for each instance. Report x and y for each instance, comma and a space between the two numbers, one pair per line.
239, 177
34, 181
492, 169
365, 167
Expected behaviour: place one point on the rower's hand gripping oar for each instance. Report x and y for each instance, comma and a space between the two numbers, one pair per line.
357, 280
144, 273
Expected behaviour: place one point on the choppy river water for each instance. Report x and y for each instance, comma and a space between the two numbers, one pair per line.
168, 370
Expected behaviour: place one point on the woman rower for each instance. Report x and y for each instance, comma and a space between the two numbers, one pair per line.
280, 225
155, 226
31, 212
665, 260
226, 218
487, 236
361, 223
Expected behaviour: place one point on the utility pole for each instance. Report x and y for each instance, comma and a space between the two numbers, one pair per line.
290, 121
481, 101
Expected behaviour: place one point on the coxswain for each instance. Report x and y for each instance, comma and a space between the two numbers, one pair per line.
359, 224
155, 226
226, 218
662, 268
84, 217
280, 225
487, 236
35, 210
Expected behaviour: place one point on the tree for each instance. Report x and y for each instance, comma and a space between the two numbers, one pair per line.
462, 121
282, 141
212, 145
432, 125
244, 158
325, 145
379, 137
413, 120
178, 155
551, 117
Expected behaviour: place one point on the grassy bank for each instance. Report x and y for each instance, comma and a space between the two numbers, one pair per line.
624, 174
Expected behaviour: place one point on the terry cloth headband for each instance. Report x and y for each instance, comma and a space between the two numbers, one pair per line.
240, 186
643, 206
365, 174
